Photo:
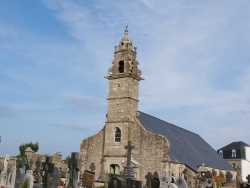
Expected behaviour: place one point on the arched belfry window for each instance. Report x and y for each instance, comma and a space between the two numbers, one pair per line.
233, 153
118, 135
121, 67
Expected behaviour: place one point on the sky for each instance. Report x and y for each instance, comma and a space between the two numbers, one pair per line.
54, 55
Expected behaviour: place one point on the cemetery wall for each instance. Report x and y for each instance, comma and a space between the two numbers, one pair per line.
32, 157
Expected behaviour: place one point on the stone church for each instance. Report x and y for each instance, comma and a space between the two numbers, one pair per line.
158, 145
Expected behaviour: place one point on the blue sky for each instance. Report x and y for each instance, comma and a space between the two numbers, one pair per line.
54, 55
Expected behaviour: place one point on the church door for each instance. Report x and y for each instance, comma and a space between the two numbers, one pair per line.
115, 169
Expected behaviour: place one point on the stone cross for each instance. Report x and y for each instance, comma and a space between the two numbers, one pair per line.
248, 178
92, 167
128, 169
74, 167
149, 178
48, 168
129, 147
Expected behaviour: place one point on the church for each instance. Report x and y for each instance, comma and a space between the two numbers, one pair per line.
158, 146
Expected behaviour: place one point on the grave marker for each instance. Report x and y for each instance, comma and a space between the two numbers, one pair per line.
12, 177
29, 176
56, 177
48, 168
88, 179
4, 174
74, 167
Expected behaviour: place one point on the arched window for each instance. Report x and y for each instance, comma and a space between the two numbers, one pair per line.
118, 135
233, 153
121, 67
114, 169
221, 153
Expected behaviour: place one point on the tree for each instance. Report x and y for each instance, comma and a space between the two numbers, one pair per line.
22, 157
23, 147
66, 160
25, 183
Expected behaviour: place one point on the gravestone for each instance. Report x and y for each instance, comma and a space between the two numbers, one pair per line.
74, 167
149, 177
12, 177
131, 182
38, 176
19, 178
170, 185
29, 176
165, 179
24, 163
181, 183
48, 168
229, 177
4, 174
56, 177
88, 179
155, 182
117, 182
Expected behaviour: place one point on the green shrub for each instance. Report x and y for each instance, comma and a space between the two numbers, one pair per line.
25, 183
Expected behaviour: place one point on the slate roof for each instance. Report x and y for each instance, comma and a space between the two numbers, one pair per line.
234, 145
186, 147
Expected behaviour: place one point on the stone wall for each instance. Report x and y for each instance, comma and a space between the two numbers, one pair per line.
91, 151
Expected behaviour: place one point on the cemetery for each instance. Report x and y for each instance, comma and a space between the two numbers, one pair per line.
133, 150
48, 175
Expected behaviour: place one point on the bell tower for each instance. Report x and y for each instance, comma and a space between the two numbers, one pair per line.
124, 77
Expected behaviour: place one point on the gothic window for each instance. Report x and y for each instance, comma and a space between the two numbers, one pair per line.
121, 67
221, 153
118, 135
114, 169
233, 153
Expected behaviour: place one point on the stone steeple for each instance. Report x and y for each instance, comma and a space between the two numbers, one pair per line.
124, 77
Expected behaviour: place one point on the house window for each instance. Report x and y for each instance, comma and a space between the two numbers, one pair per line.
114, 169
221, 153
118, 135
233, 153
121, 67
